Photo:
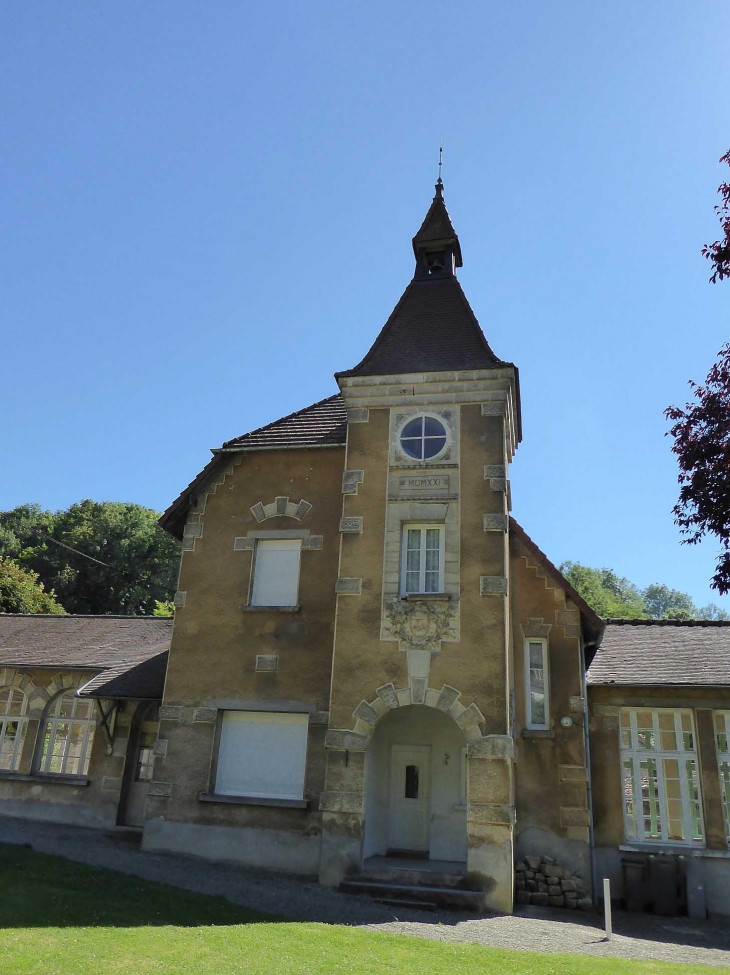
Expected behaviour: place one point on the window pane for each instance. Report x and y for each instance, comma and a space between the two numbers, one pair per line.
630, 800
433, 446
411, 789
693, 787
414, 448
434, 427
650, 799
414, 428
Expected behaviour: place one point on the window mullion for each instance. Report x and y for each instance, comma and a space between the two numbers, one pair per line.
422, 560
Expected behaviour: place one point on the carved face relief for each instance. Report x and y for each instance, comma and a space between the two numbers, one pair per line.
419, 624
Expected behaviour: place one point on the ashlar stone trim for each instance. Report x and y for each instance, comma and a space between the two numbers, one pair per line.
498, 484
179, 598
348, 587
170, 712
576, 704
344, 740
493, 522
266, 663
345, 802
493, 585
280, 507
536, 627
159, 748
206, 715
491, 746
358, 415
198, 505
312, 543
387, 693
351, 480
494, 470
160, 790
351, 525
244, 544
488, 814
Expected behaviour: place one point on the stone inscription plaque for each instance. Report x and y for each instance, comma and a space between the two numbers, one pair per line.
424, 485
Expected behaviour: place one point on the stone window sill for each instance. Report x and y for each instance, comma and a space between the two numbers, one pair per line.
46, 777
254, 801
674, 849
422, 597
271, 609
537, 733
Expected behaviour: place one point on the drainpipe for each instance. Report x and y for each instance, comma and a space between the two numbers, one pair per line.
589, 786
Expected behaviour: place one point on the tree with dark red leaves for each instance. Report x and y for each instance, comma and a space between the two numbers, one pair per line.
701, 434
719, 253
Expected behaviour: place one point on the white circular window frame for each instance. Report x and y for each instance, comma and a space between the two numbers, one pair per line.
414, 461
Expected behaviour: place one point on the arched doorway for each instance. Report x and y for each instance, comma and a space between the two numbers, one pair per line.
415, 786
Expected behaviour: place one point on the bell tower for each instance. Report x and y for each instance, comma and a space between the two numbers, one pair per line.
421, 656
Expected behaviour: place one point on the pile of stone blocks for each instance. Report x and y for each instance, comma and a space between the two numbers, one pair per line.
542, 881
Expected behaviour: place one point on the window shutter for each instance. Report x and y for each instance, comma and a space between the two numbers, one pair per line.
276, 572
262, 754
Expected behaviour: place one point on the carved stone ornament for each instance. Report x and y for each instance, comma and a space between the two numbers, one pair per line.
422, 624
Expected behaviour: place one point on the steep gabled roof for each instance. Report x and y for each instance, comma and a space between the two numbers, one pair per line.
431, 329
323, 424
437, 226
663, 653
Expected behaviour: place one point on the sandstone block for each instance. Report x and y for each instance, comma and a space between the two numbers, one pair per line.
557, 901
540, 877
531, 884
585, 904
533, 862
568, 885
539, 898
543, 888
523, 896
553, 881
571, 902
552, 870
520, 880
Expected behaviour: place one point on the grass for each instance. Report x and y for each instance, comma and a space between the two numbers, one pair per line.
63, 918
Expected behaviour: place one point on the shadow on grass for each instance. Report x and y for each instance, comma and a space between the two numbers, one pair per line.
44, 891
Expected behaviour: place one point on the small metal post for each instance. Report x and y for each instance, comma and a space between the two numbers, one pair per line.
607, 907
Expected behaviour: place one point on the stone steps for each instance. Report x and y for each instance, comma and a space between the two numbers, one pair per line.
419, 893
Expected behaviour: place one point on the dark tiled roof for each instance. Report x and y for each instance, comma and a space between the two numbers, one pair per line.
437, 226
144, 681
663, 653
322, 424
431, 329
591, 619
113, 645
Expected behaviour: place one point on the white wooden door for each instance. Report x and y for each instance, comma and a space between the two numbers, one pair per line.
410, 798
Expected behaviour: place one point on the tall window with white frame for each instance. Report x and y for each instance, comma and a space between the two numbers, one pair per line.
68, 736
537, 684
722, 737
13, 725
276, 572
422, 559
661, 783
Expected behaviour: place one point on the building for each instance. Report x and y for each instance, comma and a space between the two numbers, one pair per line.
371, 660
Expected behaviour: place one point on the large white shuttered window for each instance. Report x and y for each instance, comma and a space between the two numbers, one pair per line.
68, 736
276, 572
722, 736
262, 754
422, 559
537, 684
661, 782
13, 724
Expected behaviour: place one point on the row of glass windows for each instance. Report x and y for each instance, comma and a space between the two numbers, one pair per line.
67, 733
660, 775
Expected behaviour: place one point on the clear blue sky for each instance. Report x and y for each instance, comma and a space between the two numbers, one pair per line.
207, 210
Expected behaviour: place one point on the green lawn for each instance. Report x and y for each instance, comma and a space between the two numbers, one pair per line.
62, 918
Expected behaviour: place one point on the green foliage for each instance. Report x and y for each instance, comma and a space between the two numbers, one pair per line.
166, 608
614, 597
98, 557
21, 592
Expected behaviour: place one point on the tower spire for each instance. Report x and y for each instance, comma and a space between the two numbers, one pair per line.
436, 245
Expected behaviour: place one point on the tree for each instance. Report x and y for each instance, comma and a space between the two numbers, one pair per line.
99, 557
614, 597
701, 433
21, 592
609, 595
719, 253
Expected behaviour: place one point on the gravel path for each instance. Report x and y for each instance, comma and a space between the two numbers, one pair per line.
532, 929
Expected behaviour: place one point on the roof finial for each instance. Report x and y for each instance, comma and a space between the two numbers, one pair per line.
439, 182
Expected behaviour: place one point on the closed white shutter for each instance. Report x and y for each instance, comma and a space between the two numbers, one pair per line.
276, 572
262, 754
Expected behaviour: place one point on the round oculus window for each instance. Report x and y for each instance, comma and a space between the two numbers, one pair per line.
423, 437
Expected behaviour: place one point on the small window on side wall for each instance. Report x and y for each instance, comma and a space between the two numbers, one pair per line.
537, 688
276, 572
262, 754
422, 559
